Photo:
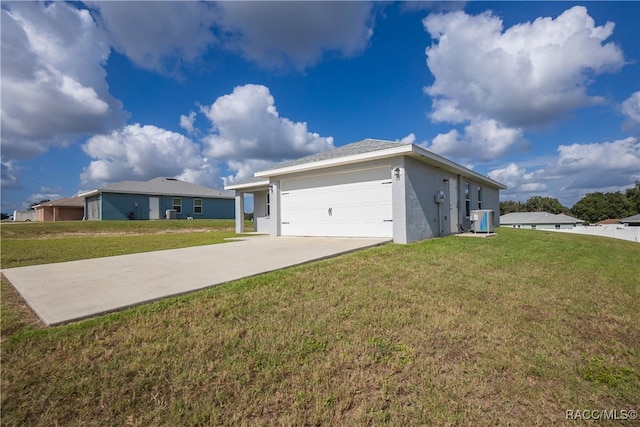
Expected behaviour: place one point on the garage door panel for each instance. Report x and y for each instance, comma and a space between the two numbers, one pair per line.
352, 204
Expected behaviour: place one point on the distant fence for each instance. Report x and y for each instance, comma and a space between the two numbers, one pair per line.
614, 231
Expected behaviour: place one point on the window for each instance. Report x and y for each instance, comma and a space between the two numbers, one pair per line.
479, 197
557, 226
177, 204
267, 208
197, 206
533, 226
467, 199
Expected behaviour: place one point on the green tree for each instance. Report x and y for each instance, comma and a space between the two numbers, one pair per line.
633, 194
544, 204
509, 206
599, 206
619, 205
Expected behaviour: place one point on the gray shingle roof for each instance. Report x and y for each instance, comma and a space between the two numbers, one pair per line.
165, 186
76, 201
361, 147
633, 218
537, 218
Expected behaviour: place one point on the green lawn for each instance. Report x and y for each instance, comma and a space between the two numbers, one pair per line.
512, 330
34, 243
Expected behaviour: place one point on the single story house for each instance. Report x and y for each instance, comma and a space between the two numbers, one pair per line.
155, 199
632, 221
539, 220
371, 188
610, 221
65, 209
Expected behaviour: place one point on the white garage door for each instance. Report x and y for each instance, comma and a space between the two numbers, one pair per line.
354, 204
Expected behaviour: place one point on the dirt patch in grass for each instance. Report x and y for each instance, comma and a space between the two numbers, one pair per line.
82, 234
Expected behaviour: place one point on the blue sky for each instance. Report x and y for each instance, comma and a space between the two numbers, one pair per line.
541, 96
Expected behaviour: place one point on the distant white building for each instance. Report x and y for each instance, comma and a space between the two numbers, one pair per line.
539, 220
21, 216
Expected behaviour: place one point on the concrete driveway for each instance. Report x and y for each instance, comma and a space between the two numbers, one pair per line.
68, 291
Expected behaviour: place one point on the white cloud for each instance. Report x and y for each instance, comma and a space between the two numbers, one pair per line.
54, 85
144, 152
158, 36
10, 175
618, 157
162, 36
247, 127
531, 74
409, 139
186, 122
518, 180
244, 169
44, 194
482, 140
630, 108
577, 170
277, 33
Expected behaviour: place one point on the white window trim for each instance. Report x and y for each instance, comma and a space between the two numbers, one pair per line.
173, 205
201, 206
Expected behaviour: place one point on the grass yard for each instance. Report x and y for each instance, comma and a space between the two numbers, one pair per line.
512, 330
33, 243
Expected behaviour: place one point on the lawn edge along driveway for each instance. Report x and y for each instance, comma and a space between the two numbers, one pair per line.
68, 291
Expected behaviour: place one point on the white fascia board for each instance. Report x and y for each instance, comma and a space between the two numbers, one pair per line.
453, 166
256, 185
89, 193
339, 161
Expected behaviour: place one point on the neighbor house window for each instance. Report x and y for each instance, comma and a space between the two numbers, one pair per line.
479, 197
197, 206
557, 226
467, 199
177, 204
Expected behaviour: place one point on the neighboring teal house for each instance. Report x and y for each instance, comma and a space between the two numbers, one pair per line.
158, 198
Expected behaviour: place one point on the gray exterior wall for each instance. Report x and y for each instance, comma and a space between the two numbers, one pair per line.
119, 206
418, 184
424, 217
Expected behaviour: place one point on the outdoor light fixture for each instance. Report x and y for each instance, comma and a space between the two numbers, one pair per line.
396, 173
270, 188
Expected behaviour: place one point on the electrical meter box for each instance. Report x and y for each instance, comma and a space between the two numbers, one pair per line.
439, 197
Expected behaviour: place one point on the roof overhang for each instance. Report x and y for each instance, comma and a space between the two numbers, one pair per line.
154, 193
411, 150
249, 186
89, 193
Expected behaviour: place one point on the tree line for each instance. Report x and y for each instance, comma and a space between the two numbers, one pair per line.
591, 208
